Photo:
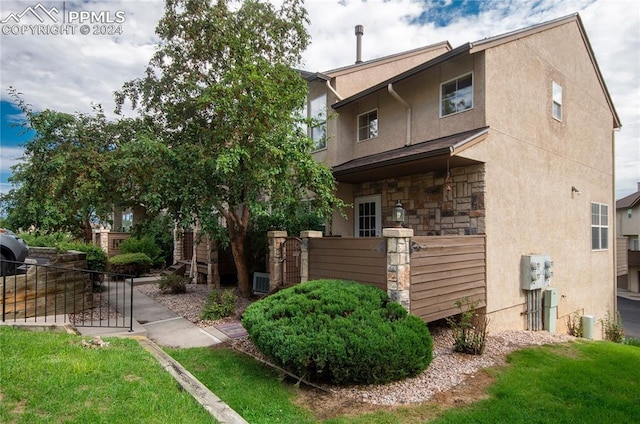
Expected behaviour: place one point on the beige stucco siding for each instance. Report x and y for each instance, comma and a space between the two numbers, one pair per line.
422, 94
532, 161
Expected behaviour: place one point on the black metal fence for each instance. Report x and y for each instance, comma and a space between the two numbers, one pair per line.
52, 293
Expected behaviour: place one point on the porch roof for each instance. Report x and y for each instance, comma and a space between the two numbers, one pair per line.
425, 156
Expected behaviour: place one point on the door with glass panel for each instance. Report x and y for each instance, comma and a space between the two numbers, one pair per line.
368, 222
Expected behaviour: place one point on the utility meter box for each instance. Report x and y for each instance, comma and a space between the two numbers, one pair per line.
551, 297
535, 271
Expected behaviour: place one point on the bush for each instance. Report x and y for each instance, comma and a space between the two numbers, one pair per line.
220, 304
134, 264
632, 342
46, 240
339, 332
612, 327
574, 325
173, 284
96, 257
470, 330
146, 245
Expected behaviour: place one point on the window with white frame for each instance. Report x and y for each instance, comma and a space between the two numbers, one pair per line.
557, 100
599, 226
368, 125
368, 220
456, 95
318, 127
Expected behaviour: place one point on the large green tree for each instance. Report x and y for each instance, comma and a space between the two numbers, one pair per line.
59, 185
76, 167
223, 86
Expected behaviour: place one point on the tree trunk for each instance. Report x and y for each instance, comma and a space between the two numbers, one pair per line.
87, 230
237, 227
240, 259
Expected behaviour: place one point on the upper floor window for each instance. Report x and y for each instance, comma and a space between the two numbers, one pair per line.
629, 213
368, 125
599, 226
318, 127
456, 95
557, 101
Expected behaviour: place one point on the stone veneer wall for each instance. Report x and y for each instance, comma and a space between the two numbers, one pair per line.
434, 204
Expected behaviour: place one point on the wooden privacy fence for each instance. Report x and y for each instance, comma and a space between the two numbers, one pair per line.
427, 275
445, 270
361, 259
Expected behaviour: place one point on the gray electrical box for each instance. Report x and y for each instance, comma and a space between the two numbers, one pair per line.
535, 271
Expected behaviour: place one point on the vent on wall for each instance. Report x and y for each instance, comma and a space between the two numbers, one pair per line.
260, 283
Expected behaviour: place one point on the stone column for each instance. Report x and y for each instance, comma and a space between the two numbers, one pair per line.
276, 239
177, 244
399, 265
304, 253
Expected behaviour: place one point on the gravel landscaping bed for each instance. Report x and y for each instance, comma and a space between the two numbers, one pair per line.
447, 370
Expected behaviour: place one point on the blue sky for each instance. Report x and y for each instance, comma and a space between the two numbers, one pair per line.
69, 72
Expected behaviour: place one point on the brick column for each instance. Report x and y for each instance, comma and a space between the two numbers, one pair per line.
399, 264
304, 253
276, 239
177, 244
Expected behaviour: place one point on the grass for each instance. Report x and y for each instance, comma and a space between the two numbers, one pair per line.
579, 382
48, 377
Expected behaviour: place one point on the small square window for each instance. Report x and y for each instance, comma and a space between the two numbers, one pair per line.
456, 95
368, 125
557, 101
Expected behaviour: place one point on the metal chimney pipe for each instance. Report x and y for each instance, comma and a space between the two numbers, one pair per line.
359, 34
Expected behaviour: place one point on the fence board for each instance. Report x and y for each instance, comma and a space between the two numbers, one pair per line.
359, 259
444, 270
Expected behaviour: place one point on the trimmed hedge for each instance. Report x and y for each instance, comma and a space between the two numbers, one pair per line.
339, 332
134, 264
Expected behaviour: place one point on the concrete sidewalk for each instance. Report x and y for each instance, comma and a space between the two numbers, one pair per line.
160, 324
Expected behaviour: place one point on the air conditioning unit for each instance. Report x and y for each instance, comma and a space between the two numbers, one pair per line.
260, 283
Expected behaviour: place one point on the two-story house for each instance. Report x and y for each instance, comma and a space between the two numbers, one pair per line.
510, 137
628, 227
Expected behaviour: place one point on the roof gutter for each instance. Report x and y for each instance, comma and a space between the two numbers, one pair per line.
406, 105
335, 93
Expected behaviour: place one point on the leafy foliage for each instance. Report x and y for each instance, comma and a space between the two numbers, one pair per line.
47, 240
339, 332
160, 228
574, 325
134, 264
612, 327
96, 257
223, 88
470, 330
173, 284
220, 304
146, 245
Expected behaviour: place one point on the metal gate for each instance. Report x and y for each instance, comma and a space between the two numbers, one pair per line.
291, 254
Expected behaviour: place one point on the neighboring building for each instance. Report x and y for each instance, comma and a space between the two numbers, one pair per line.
628, 226
511, 137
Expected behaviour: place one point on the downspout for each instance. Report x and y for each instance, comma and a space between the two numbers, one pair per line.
406, 105
335, 93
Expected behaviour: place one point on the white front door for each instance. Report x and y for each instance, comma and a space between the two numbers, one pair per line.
368, 220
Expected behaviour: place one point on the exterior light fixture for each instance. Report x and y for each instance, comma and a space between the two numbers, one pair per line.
398, 214
574, 190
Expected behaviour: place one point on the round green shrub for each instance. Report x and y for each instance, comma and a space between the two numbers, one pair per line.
134, 264
339, 332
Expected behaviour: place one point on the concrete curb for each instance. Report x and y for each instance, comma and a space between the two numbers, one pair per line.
213, 404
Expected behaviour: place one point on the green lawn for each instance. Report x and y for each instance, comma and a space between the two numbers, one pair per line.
582, 382
48, 377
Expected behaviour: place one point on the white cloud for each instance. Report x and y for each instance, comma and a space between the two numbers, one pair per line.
68, 73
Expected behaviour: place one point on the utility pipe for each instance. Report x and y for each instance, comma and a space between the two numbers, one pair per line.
406, 105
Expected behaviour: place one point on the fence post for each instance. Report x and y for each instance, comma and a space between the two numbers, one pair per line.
304, 252
399, 265
276, 239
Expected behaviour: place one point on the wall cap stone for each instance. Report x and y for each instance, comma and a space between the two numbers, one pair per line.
397, 232
310, 234
276, 234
